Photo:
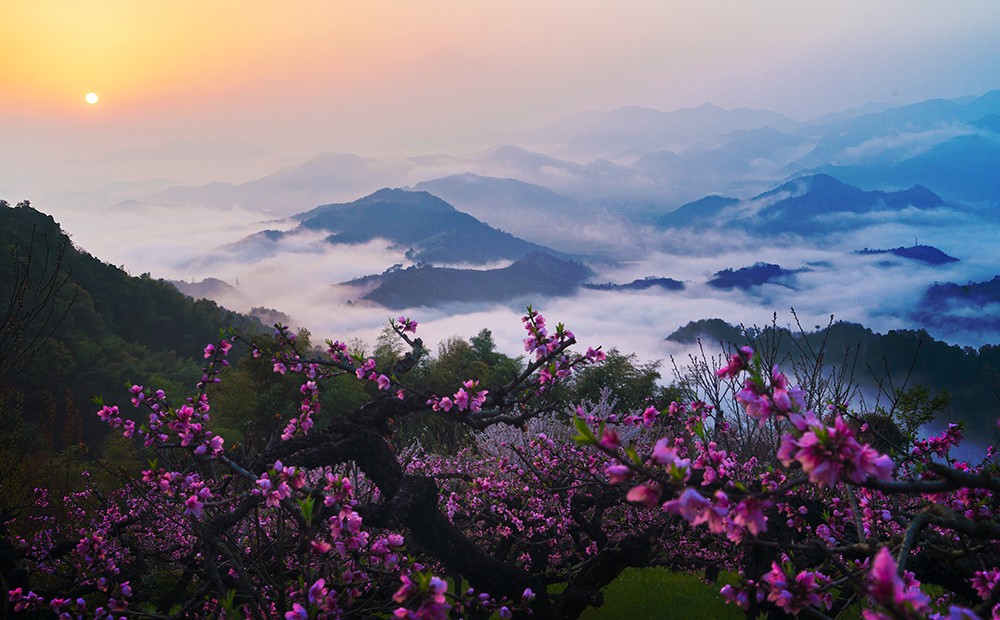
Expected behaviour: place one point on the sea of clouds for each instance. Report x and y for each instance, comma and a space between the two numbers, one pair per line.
300, 275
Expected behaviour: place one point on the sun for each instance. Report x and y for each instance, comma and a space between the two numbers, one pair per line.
91, 98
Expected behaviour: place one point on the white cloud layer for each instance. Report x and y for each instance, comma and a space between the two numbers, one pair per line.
298, 274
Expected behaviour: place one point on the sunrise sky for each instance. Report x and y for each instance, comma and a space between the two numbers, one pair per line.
412, 77
274, 84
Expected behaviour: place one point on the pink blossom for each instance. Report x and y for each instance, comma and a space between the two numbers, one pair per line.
785, 398
691, 505
317, 592
749, 514
320, 546
462, 399
716, 514
264, 482
618, 473
277, 494
939, 444
831, 453
365, 368
108, 414
193, 506
888, 589
609, 439
438, 587
985, 581
644, 495
477, 401
649, 416
406, 590
737, 363
595, 355
666, 454
756, 402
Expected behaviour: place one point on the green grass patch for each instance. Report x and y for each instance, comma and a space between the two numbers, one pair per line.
658, 594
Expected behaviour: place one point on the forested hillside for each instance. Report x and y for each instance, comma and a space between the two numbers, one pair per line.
75, 328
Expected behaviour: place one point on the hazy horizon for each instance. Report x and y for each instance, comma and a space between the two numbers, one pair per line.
387, 78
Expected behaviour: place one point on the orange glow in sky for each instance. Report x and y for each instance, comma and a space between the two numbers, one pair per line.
144, 51
321, 75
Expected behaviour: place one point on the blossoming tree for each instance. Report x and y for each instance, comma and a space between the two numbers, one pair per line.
335, 520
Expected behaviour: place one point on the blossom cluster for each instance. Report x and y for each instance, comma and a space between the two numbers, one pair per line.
466, 398
429, 593
189, 486
793, 592
187, 424
830, 454
540, 342
939, 444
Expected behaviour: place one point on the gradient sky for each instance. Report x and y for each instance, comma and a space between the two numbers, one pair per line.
412, 77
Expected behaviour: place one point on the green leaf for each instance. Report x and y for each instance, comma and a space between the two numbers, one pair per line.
699, 430
306, 506
584, 436
227, 603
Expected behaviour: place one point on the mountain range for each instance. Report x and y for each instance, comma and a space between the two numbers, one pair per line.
810, 205
450, 252
695, 203
641, 162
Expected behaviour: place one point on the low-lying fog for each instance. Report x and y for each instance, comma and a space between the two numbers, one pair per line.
299, 277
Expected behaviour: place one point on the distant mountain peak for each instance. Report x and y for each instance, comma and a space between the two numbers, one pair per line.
924, 253
822, 183
827, 192
989, 122
425, 226
416, 198
757, 274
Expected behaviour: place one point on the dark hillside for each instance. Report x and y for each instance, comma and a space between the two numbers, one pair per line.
110, 328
